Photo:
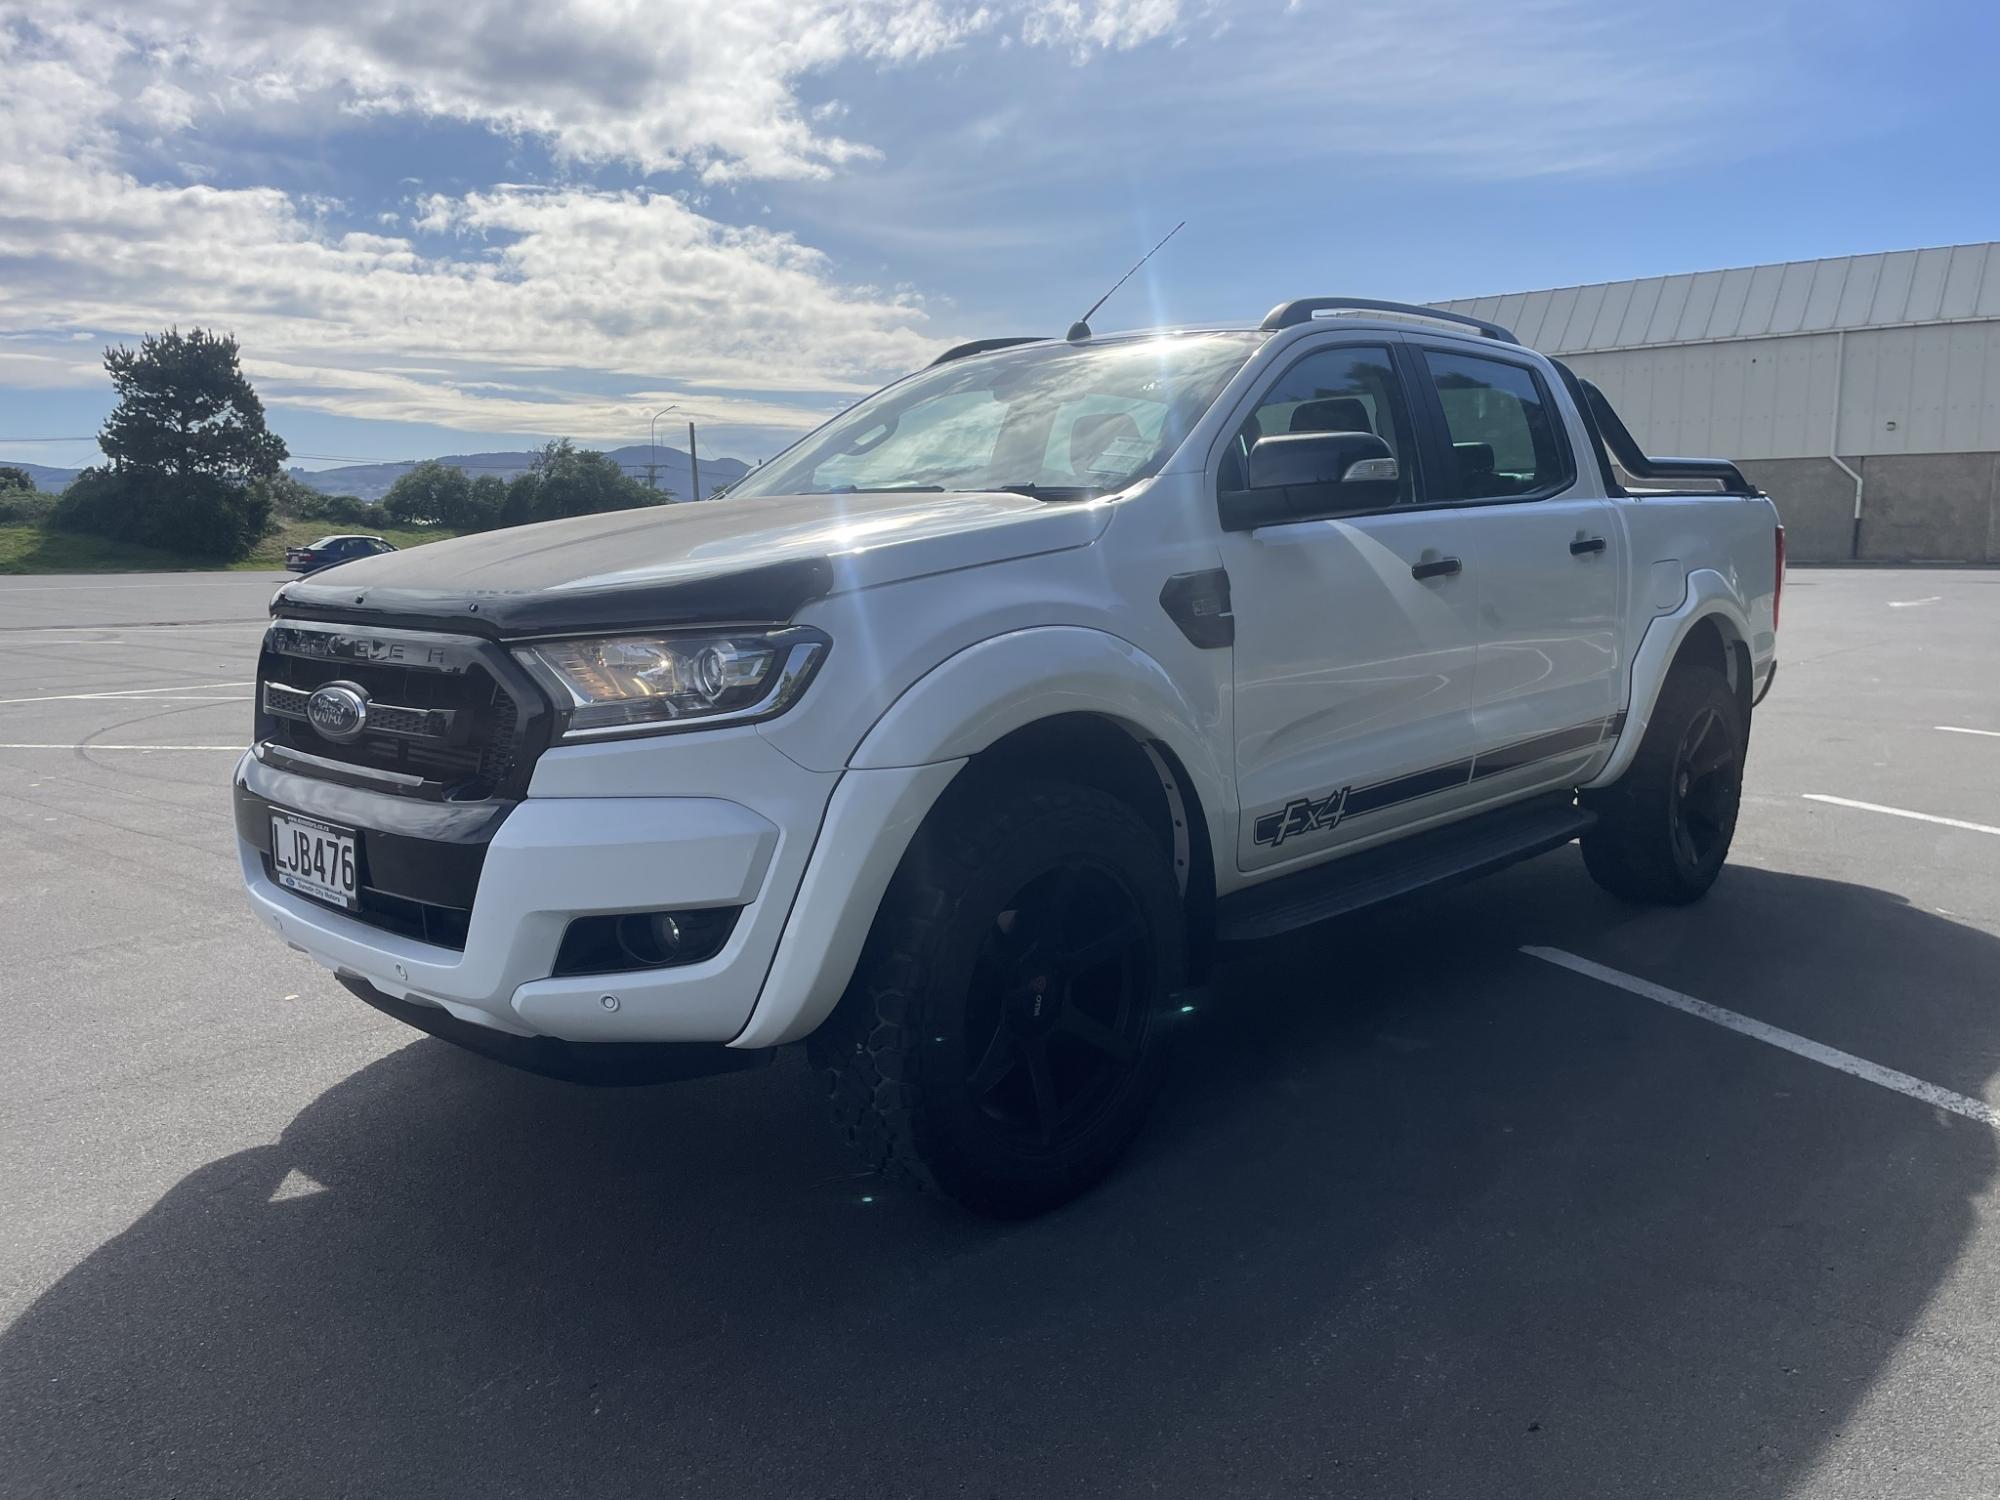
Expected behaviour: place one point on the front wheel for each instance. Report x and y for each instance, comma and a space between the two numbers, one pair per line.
1664, 827
1003, 1037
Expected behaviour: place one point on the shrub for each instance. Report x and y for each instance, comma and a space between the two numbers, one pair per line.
25, 507
195, 515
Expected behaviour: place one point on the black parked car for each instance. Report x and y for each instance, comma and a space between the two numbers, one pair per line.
329, 550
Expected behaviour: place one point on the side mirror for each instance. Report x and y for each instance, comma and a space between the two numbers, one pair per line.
1296, 476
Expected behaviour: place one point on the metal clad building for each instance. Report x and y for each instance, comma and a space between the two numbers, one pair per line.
1871, 373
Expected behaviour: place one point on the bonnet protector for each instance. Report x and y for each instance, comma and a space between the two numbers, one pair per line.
771, 594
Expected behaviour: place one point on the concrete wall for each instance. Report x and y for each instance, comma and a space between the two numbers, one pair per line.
1915, 507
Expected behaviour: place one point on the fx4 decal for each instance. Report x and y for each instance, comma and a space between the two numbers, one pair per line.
1303, 815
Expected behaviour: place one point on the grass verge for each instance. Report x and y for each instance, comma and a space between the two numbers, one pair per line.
37, 549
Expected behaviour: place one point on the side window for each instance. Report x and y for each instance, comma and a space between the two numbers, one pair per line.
1500, 426
1352, 388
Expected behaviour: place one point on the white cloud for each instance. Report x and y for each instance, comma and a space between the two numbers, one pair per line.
1084, 26
637, 285
634, 285
704, 84
532, 306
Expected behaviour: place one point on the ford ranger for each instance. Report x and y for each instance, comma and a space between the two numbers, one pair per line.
958, 737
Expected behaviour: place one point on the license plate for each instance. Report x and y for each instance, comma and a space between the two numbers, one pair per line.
313, 858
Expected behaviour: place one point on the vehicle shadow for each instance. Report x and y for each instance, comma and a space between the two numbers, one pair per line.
1419, 1217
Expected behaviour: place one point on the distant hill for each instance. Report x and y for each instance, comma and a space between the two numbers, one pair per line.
372, 481
55, 481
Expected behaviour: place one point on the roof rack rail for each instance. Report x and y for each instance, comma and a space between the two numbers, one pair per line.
1287, 314
983, 346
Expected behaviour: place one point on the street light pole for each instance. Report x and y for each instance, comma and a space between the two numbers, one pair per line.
653, 447
694, 463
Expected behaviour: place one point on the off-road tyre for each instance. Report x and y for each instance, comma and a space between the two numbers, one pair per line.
1664, 827
1010, 915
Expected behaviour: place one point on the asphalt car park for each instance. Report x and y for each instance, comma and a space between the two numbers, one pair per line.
1691, 1202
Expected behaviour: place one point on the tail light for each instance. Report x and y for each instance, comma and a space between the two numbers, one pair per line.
1778, 588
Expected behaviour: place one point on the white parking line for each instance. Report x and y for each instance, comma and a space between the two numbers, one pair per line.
1959, 729
1902, 812
239, 749
185, 687
1913, 603
1775, 1036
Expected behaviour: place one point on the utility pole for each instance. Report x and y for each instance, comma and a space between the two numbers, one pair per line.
694, 463
653, 448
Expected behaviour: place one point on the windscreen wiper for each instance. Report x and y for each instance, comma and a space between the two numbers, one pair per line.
885, 489
1050, 491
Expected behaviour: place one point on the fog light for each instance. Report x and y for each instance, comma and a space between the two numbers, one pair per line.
644, 940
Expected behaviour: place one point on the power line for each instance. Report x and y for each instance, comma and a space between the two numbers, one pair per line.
410, 463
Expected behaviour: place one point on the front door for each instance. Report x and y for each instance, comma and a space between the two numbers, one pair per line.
1354, 636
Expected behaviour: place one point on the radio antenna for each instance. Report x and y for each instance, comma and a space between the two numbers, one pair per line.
1080, 329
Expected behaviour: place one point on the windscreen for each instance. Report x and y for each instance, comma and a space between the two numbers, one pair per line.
1059, 419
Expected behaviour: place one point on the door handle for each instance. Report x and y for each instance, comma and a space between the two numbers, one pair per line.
1442, 567
1585, 544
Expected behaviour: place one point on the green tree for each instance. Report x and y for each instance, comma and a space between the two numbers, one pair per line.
187, 442
12, 479
484, 504
289, 497
566, 480
185, 408
430, 493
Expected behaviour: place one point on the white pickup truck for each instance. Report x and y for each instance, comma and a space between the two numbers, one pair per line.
958, 737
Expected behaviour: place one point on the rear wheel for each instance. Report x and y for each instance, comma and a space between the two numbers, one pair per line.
1003, 1036
1665, 826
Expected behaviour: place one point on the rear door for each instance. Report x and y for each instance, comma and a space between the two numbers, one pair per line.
1355, 633
1549, 557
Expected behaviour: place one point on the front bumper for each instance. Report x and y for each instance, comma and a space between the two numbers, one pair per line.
520, 872
574, 1062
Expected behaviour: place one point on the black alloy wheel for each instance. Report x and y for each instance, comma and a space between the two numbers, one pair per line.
1708, 779
1059, 1005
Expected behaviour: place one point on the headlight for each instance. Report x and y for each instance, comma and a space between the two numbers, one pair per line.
605, 685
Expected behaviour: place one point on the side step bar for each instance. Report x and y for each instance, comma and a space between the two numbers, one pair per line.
1443, 856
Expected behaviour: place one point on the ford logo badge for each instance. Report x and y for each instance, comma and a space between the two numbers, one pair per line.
339, 711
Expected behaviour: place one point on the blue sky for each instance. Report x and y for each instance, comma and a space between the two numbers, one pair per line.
442, 225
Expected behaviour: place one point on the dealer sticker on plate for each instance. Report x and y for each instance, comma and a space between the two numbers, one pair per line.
313, 858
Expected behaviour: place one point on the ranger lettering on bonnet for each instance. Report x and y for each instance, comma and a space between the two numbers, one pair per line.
955, 740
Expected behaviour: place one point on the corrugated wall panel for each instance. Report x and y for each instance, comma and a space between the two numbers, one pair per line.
1801, 423
1793, 296
1553, 325
1726, 317
1730, 365
1589, 303
1761, 305
1823, 300
1664, 325
1927, 285
1700, 305
1731, 362
1989, 286
1857, 291
1852, 292
1760, 395
1969, 367
1611, 315
1891, 301
1639, 311
1961, 282
1926, 370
